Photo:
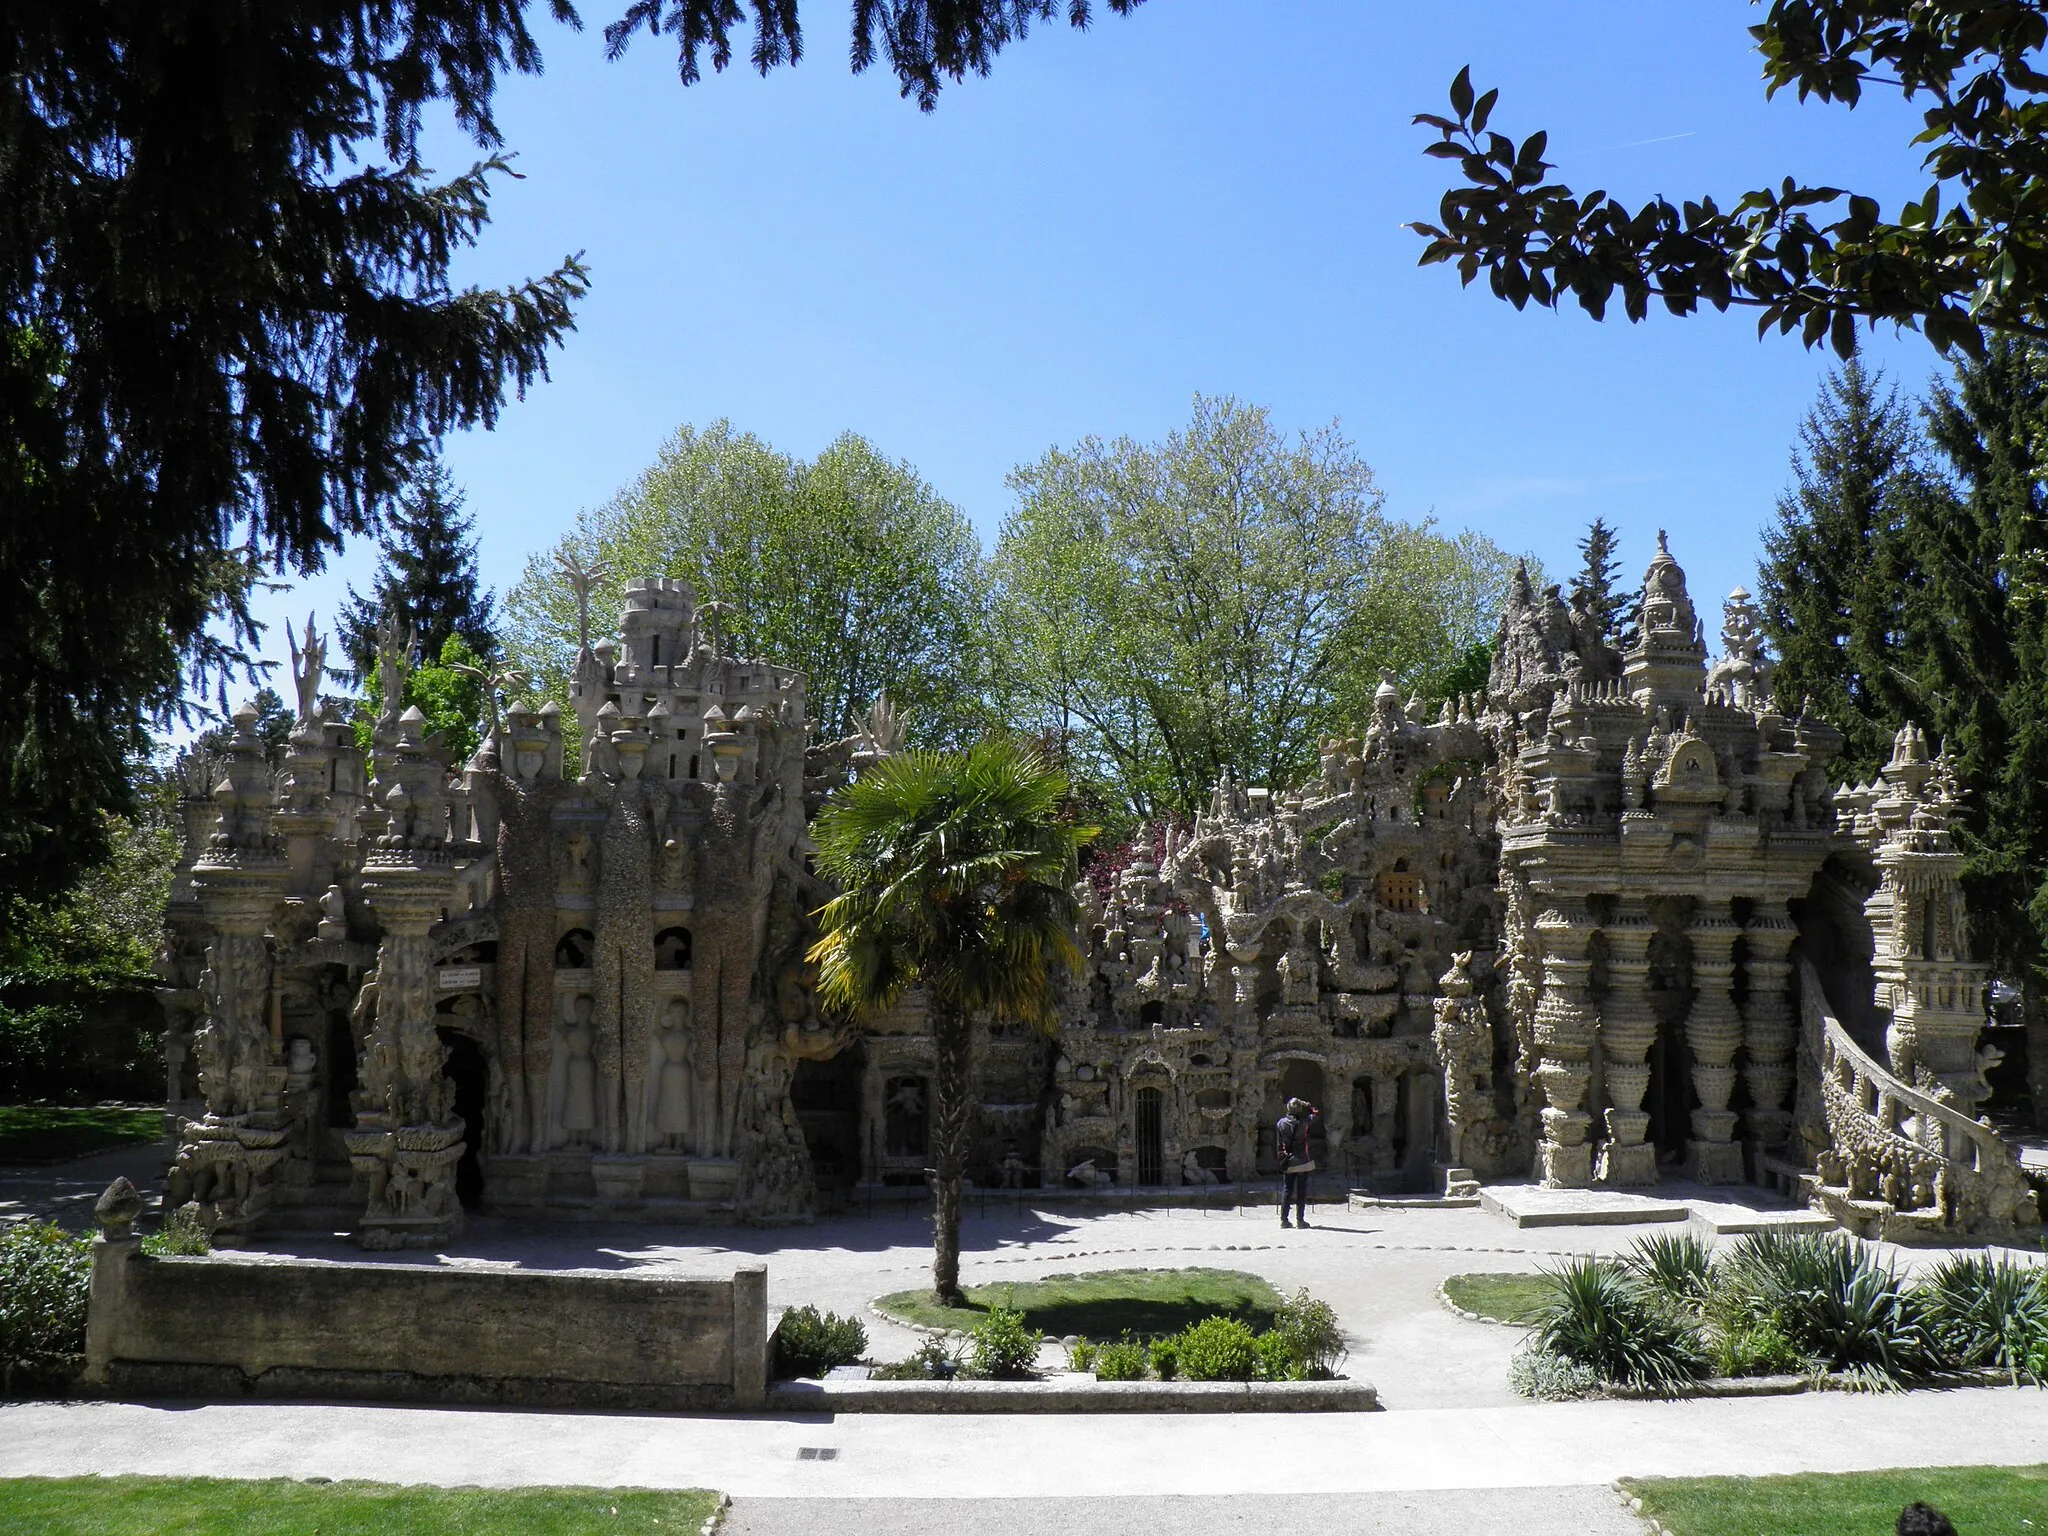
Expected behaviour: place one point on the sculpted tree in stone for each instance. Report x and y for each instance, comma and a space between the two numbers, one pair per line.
957, 874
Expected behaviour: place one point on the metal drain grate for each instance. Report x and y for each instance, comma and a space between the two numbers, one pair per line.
817, 1453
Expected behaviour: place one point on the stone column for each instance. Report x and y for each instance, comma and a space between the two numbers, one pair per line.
1564, 1046
1768, 1029
1628, 1028
407, 1139
1713, 1031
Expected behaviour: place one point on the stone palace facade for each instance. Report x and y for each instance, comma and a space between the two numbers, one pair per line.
1604, 924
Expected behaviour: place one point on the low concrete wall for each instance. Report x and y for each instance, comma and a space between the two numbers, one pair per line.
292, 1328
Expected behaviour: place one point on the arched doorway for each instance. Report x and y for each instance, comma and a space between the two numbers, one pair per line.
471, 1075
1149, 1107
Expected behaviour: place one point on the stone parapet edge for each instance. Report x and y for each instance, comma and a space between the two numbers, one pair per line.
1073, 1395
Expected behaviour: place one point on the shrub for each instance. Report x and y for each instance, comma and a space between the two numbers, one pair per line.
180, 1236
810, 1343
1218, 1349
1277, 1361
1985, 1311
1834, 1302
1313, 1340
1600, 1317
1004, 1349
933, 1360
1121, 1361
45, 1274
1165, 1359
1550, 1378
1754, 1348
1678, 1267
1081, 1355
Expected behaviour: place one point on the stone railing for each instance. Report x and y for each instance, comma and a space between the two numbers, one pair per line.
1895, 1152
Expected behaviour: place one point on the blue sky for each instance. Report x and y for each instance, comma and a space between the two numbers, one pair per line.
1206, 196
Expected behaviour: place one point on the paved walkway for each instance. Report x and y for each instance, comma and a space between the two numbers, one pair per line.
1463, 1512
998, 1456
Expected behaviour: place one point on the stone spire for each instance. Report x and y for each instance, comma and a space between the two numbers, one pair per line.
1668, 663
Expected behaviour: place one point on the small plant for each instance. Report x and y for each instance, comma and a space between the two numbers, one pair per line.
1003, 1348
809, 1343
181, 1236
933, 1360
1678, 1267
1600, 1317
1313, 1340
1081, 1355
45, 1274
1754, 1349
1984, 1311
1277, 1361
1165, 1359
1218, 1349
1835, 1303
1121, 1361
1550, 1378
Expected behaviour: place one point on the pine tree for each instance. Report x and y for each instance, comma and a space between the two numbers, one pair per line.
1981, 646
1837, 577
428, 574
1593, 588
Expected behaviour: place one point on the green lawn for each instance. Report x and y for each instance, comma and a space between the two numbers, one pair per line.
47, 1133
1981, 1501
1504, 1298
1104, 1305
207, 1506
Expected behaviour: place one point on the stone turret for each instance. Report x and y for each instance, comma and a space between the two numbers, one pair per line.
1668, 662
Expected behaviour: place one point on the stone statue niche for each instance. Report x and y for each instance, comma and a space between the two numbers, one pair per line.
670, 1084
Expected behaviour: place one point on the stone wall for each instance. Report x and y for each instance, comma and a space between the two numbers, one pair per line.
292, 1328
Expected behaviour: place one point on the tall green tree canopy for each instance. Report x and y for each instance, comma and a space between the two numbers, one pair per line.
1969, 255
427, 576
1834, 583
1593, 589
848, 566
227, 329
1221, 600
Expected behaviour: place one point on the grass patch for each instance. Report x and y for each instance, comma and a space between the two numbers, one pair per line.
49, 1133
1983, 1501
208, 1506
1145, 1303
1502, 1298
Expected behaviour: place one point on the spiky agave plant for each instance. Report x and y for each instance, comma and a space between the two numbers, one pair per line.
1987, 1311
1600, 1316
1834, 1301
1678, 1267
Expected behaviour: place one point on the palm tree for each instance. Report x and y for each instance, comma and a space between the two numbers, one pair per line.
957, 871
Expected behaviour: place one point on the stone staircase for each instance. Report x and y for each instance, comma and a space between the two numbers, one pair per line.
1899, 1164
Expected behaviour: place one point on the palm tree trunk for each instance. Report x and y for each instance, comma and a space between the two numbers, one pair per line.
951, 1047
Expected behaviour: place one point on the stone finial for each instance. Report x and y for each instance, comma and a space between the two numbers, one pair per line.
117, 1209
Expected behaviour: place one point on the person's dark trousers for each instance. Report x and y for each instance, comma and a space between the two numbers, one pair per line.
1294, 1192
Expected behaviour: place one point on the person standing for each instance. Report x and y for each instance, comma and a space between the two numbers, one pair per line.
1290, 1144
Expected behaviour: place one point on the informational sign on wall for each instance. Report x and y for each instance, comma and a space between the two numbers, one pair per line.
460, 978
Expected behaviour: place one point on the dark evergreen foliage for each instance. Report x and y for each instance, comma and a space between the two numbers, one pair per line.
1836, 571
1593, 589
227, 338
427, 574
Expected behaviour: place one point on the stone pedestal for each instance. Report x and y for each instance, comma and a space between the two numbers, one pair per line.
1713, 1031
713, 1178
1564, 1044
1628, 1028
619, 1180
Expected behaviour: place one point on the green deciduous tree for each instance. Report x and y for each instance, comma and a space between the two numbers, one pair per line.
1220, 601
1969, 255
449, 691
849, 567
1834, 583
956, 873
427, 575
